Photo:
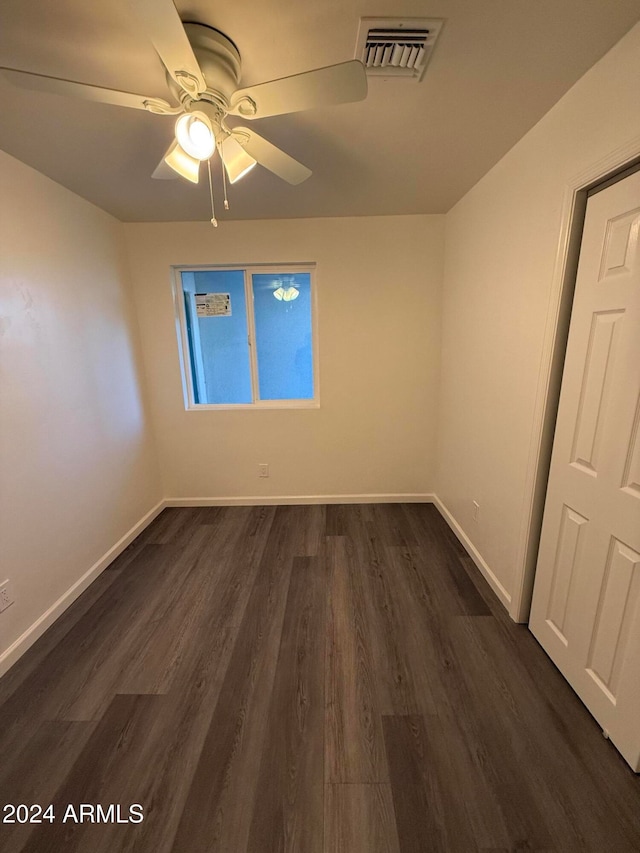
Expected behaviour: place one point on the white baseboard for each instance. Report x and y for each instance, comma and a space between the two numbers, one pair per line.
28, 638
288, 500
475, 555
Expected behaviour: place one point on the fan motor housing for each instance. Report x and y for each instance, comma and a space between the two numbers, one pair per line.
218, 58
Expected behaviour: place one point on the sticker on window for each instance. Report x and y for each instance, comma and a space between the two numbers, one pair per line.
213, 304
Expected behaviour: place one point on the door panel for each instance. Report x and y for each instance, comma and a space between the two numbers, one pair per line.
596, 386
586, 601
617, 602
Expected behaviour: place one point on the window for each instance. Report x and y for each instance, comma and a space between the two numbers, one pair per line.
247, 336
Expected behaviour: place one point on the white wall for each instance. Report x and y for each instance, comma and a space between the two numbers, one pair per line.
501, 245
378, 282
77, 463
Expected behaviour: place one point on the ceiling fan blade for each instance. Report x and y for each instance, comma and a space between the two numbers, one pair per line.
335, 84
164, 28
271, 157
57, 86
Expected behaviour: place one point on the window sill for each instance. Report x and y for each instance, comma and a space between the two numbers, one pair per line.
270, 404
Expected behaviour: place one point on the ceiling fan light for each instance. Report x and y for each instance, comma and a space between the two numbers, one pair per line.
287, 293
236, 160
290, 294
186, 166
195, 135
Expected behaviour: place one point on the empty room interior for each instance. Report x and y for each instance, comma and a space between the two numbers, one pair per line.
319, 426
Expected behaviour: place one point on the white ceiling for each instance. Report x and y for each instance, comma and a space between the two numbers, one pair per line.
499, 65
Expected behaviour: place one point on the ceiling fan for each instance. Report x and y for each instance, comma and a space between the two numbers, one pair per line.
203, 72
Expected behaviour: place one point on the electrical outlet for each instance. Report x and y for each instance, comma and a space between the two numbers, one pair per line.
6, 596
263, 470
476, 510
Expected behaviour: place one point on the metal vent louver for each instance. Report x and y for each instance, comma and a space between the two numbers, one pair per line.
396, 47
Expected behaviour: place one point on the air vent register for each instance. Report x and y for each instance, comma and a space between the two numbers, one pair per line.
396, 47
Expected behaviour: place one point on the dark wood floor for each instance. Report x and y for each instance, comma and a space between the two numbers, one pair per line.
304, 679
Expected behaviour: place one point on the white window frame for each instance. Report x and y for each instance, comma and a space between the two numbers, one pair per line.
183, 338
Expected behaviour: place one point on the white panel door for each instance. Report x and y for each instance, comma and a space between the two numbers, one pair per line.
586, 600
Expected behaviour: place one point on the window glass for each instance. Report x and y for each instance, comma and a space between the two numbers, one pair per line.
282, 310
247, 336
217, 330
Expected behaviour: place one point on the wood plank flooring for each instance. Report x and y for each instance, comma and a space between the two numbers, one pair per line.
303, 679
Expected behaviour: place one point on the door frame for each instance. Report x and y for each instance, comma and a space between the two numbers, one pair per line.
552, 361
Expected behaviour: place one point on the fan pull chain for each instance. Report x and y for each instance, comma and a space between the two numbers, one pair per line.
214, 221
224, 178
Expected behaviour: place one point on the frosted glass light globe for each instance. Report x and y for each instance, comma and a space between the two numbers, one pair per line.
195, 136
